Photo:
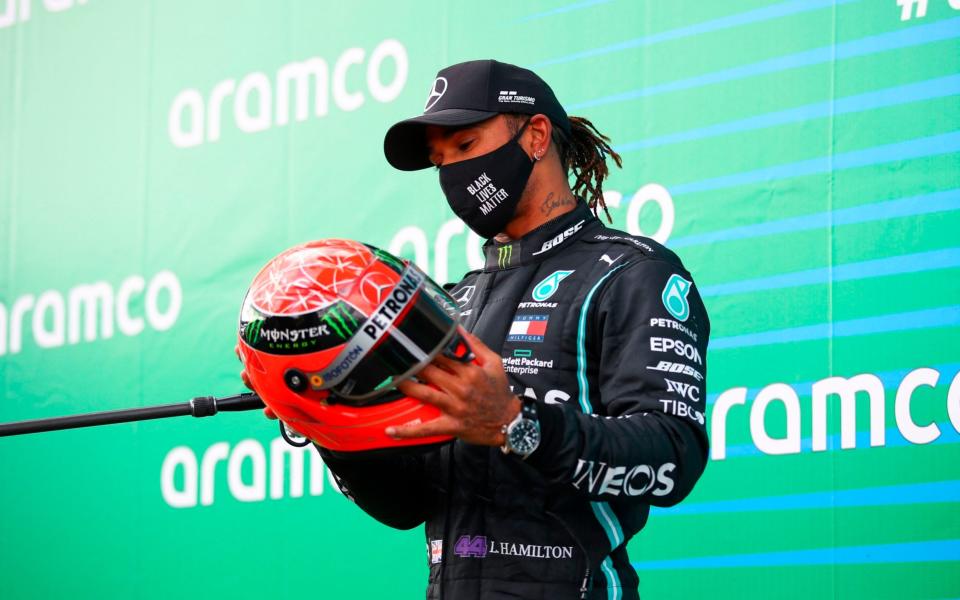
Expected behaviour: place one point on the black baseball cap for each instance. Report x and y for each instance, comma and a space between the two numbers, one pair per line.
468, 93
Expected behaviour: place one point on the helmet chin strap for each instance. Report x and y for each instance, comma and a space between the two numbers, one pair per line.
292, 436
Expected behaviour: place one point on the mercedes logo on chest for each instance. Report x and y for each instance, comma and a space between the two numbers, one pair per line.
436, 92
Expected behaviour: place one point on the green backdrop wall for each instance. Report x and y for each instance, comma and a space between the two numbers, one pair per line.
802, 156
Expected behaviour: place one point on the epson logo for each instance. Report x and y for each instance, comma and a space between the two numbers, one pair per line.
259, 103
89, 311
659, 344
18, 11
600, 478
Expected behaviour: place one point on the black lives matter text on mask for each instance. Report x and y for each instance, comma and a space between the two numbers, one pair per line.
487, 193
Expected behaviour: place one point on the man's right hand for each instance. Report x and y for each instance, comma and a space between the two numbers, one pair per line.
246, 381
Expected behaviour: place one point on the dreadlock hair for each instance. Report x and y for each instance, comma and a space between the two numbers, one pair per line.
583, 152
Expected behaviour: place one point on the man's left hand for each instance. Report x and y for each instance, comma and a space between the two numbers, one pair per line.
474, 397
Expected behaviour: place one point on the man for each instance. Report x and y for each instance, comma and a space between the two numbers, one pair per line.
586, 404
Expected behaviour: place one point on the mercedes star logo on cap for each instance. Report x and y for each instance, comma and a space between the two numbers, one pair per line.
436, 92
464, 94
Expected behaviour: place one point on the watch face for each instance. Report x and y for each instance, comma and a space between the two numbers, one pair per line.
524, 436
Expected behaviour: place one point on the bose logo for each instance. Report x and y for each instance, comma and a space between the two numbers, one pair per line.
672, 367
560, 238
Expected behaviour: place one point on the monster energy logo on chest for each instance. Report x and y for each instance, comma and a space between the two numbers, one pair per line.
504, 256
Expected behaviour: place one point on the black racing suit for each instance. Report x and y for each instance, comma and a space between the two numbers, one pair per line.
608, 333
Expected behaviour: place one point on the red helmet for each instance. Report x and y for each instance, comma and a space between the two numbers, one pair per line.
329, 327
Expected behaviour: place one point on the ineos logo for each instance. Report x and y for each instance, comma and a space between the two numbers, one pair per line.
436, 92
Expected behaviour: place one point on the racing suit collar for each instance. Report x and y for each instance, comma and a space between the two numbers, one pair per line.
539, 243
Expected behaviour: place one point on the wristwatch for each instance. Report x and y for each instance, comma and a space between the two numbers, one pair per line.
522, 434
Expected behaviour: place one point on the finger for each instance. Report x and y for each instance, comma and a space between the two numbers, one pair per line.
489, 362
458, 349
428, 394
246, 380
444, 425
441, 378
268, 413
449, 364
483, 352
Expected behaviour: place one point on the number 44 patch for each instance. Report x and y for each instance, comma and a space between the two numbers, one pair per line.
471, 546
675, 297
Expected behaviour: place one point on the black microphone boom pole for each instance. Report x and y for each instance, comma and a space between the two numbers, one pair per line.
204, 406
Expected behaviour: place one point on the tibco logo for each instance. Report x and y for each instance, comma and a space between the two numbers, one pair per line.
11, 14
271, 104
199, 482
57, 320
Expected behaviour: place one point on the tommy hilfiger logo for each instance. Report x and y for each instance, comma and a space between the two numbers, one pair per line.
528, 328
510, 96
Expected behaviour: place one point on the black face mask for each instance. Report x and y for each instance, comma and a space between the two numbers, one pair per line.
484, 191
